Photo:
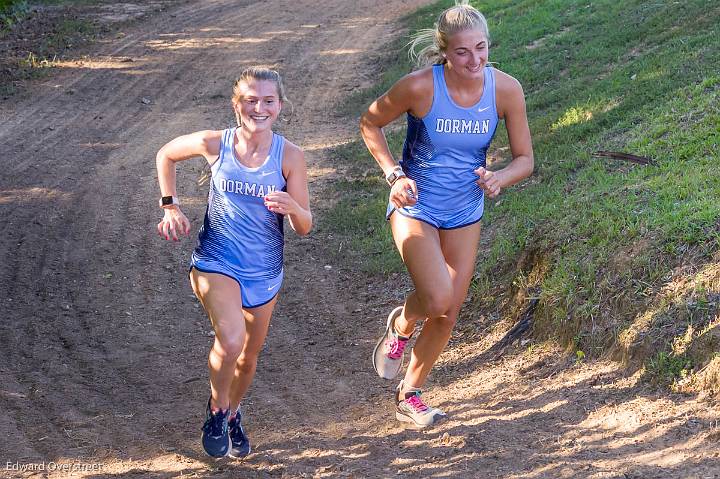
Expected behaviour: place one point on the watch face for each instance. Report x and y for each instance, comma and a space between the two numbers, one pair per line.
167, 200
394, 176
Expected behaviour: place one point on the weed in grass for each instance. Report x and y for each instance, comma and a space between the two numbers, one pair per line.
579, 357
34, 62
665, 368
7, 90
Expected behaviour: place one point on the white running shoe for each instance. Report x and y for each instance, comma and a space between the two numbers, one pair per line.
389, 351
413, 410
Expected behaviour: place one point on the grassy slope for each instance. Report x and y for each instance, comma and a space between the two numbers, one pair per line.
622, 253
636, 77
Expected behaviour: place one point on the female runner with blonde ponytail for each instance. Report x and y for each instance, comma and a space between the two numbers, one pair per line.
453, 106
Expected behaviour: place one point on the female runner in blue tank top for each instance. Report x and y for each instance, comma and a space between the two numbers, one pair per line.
437, 190
258, 177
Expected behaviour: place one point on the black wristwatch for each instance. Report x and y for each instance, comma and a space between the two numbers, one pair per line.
167, 201
394, 175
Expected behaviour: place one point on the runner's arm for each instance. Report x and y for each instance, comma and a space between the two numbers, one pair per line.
511, 107
401, 98
295, 202
202, 143
390, 106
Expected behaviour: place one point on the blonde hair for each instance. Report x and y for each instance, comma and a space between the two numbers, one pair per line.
429, 44
257, 73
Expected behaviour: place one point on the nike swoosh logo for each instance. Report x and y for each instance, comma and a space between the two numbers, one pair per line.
265, 173
272, 287
483, 109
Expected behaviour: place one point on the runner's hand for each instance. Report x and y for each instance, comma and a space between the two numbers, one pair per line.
403, 193
281, 202
489, 181
173, 222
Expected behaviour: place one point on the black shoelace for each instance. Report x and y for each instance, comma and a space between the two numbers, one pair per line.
215, 426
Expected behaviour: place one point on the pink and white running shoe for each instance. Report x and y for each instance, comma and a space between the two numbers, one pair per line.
389, 351
413, 410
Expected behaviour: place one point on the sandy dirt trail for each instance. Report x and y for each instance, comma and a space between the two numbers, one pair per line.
103, 346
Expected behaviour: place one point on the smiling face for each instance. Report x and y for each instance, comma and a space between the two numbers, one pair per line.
258, 104
467, 52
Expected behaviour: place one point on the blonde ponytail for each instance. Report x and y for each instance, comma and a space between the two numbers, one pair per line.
428, 45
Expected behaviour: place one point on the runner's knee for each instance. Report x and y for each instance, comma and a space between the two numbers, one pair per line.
231, 346
436, 302
447, 322
246, 364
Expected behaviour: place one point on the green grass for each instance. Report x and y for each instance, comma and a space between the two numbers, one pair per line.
14, 11
358, 220
7, 4
639, 77
665, 368
649, 88
66, 35
11, 12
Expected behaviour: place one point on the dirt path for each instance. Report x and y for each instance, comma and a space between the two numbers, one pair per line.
103, 347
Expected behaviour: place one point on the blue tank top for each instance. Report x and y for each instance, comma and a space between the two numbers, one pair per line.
442, 149
239, 232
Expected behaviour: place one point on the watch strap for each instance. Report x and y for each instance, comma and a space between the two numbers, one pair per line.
394, 175
167, 201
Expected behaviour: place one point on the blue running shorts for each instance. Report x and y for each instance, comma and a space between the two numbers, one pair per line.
253, 292
443, 220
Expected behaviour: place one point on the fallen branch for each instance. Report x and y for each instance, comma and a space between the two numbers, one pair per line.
641, 160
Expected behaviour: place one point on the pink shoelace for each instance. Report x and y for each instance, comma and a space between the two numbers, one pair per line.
395, 347
416, 403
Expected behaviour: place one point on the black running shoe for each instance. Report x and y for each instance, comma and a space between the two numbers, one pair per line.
215, 433
240, 443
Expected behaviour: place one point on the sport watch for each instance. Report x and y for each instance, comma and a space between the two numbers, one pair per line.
167, 201
394, 175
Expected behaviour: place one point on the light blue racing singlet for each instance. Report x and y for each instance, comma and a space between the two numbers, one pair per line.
443, 149
240, 237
